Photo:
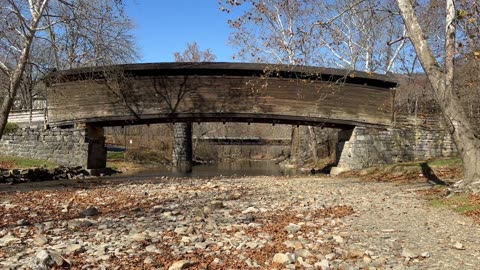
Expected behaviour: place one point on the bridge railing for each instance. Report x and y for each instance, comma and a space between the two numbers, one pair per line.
28, 117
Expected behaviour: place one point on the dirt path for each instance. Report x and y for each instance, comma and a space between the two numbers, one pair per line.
237, 223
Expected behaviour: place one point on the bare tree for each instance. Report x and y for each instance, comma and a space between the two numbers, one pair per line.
441, 76
21, 22
354, 34
194, 54
38, 35
274, 31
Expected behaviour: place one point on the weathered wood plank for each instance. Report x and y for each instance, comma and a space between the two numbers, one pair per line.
222, 90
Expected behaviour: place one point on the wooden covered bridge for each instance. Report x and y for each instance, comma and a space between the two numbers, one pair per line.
213, 92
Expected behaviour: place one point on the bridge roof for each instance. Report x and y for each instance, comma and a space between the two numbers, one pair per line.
234, 69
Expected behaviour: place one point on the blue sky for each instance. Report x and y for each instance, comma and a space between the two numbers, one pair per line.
166, 26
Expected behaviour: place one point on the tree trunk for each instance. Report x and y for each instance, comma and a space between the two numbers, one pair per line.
467, 142
16, 76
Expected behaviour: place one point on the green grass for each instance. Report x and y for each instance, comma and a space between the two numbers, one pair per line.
10, 128
443, 162
21, 163
115, 155
461, 203
440, 162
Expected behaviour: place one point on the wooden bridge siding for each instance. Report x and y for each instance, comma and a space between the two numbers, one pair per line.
84, 100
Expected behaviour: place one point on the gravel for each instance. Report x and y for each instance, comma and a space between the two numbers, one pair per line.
239, 223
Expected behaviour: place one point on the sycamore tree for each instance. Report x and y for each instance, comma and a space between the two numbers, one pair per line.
348, 34
40, 35
193, 54
439, 66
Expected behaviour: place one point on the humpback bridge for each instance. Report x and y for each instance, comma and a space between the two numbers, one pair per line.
215, 92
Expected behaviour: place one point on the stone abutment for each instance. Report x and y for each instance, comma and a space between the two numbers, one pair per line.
81, 146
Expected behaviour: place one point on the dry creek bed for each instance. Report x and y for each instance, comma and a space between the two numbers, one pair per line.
232, 223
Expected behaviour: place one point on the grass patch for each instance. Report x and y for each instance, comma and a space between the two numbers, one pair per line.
445, 162
448, 170
463, 203
23, 163
10, 128
115, 155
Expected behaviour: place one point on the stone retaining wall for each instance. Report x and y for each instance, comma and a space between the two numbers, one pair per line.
68, 147
410, 139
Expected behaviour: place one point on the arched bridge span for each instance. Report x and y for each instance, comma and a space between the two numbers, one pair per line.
222, 92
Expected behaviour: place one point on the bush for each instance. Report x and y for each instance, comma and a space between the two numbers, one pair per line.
145, 155
10, 128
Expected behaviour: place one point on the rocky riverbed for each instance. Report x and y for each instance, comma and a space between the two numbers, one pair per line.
233, 223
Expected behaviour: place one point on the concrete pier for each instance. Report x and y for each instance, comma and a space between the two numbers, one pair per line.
97, 152
182, 147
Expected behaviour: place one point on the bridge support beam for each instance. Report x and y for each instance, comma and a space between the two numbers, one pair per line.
97, 152
182, 147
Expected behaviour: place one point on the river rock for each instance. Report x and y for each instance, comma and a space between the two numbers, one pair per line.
46, 259
79, 223
40, 240
282, 258
304, 253
216, 204
458, 246
74, 249
179, 265
292, 228
323, 264
89, 212
8, 239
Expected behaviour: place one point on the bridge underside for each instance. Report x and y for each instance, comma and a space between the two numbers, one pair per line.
217, 117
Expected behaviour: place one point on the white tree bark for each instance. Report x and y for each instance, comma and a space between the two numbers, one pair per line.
441, 79
36, 8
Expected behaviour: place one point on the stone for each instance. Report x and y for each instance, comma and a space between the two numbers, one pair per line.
89, 212
252, 244
79, 223
330, 256
250, 210
458, 246
40, 240
281, 258
338, 239
178, 265
304, 253
201, 245
207, 210
152, 249
45, 259
355, 254
181, 230
367, 259
138, 237
57, 258
292, 228
323, 264
216, 204
74, 249
249, 218
426, 254
23, 222
293, 244
8, 239
409, 254
148, 260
